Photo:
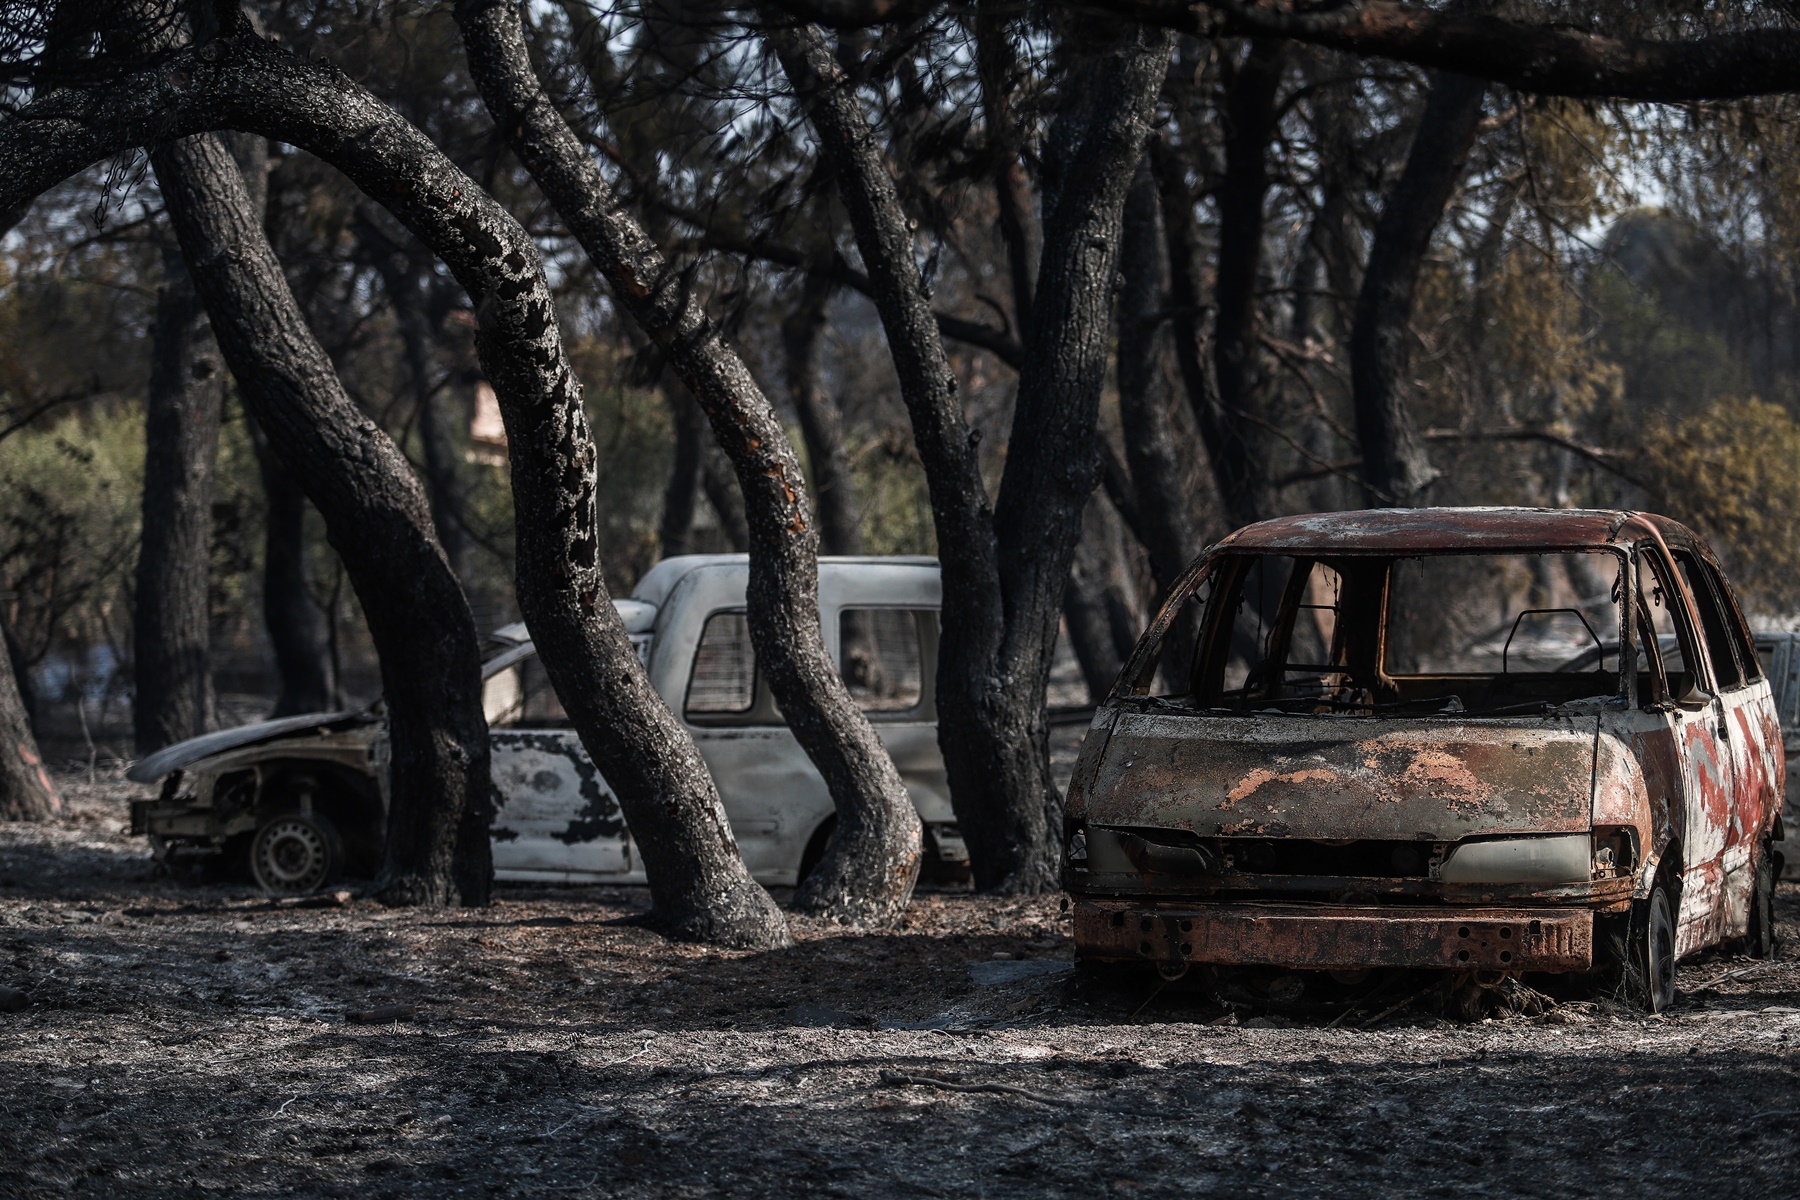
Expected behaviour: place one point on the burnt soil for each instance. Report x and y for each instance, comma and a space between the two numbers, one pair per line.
183, 1039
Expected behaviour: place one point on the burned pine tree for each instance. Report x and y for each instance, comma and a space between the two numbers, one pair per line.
173, 695
868, 872
1005, 563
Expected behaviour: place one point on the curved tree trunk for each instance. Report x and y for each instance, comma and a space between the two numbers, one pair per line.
173, 696
26, 793
698, 882
1004, 568
821, 423
376, 518
867, 874
1395, 466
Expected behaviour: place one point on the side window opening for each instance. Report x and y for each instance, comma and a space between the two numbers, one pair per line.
1669, 642
1733, 661
723, 682
881, 657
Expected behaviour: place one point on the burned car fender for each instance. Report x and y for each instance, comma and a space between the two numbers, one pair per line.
1629, 797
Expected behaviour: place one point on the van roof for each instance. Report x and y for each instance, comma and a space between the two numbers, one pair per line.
1453, 530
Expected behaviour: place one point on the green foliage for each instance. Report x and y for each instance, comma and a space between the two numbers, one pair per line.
1732, 471
69, 497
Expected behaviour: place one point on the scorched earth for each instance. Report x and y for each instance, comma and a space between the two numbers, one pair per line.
179, 1039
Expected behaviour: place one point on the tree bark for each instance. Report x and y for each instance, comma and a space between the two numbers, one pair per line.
1395, 466
698, 883
376, 518
1164, 508
296, 627
173, 699
1552, 60
26, 793
868, 872
1234, 457
1004, 570
821, 423
996, 63
1251, 116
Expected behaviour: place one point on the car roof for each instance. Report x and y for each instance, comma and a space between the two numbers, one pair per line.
1456, 530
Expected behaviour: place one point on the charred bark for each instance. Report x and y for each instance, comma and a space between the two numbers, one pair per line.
26, 793
1164, 508
868, 872
1097, 608
1250, 115
699, 886
1004, 569
1395, 466
173, 697
821, 424
375, 517
1556, 60
296, 627
997, 64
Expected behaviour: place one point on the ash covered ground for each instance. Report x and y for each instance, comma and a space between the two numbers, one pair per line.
185, 1039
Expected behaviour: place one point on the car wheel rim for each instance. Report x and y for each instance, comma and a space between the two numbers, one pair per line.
291, 856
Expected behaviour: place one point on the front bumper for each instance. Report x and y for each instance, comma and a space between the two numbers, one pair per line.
1335, 937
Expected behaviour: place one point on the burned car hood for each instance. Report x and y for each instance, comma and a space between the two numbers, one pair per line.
153, 767
1333, 778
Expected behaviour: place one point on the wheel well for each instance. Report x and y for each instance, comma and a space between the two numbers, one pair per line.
349, 800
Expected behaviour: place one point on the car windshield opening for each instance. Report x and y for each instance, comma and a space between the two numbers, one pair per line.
1432, 634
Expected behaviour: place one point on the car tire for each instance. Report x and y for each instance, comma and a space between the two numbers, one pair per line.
1650, 968
296, 853
816, 846
1759, 938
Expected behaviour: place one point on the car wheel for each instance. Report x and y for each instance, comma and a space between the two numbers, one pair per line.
296, 853
1759, 940
815, 849
1650, 976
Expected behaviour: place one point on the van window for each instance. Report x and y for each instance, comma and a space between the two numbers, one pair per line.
724, 676
1671, 641
881, 658
1712, 623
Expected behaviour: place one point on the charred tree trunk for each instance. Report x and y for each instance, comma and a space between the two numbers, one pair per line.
698, 881
376, 519
26, 793
867, 874
821, 424
296, 627
1004, 569
173, 699
997, 64
1251, 116
1395, 466
1164, 507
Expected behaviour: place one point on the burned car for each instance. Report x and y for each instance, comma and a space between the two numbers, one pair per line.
297, 802
1486, 741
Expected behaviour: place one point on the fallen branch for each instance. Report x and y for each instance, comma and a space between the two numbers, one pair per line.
1740, 972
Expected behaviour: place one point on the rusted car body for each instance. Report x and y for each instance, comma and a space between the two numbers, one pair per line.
1492, 741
